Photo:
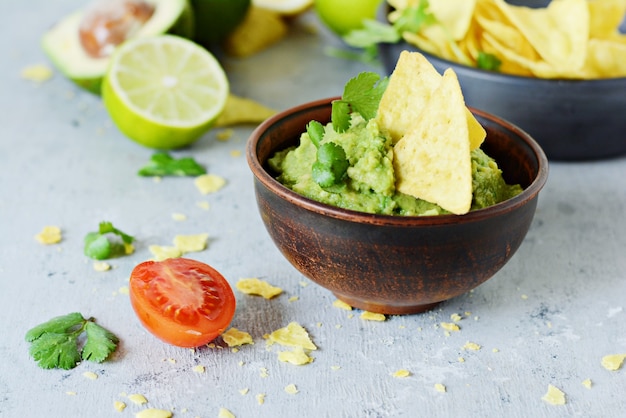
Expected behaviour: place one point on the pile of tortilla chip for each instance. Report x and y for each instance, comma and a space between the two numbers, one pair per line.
433, 132
568, 39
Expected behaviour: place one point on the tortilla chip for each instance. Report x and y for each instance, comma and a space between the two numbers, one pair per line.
605, 17
410, 87
432, 160
240, 110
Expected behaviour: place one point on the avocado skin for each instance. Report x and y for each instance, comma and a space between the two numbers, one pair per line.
214, 21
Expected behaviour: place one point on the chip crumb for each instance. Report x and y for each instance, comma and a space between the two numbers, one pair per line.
471, 346
461, 360
119, 406
191, 243
37, 73
49, 235
456, 317
372, 316
171, 360
225, 413
90, 375
244, 391
154, 413
293, 335
495, 350
199, 368
587, 383
236, 153
296, 356
338, 303
160, 252
101, 266
291, 389
304, 283
449, 326
263, 372
260, 398
70, 392
554, 396
439, 387
613, 361
137, 399
179, 217
293, 299
204, 205
524, 296
338, 326
224, 134
234, 337
255, 286
401, 373
335, 368
123, 290
209, 183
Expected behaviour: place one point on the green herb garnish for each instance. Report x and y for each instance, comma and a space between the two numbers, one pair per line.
488, 62
57, 343
100, 245
162, 164
361, 94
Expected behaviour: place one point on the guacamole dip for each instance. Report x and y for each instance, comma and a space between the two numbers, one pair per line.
369, 184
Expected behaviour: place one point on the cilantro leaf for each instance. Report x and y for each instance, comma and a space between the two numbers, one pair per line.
316, 132
364, 92
100, 343
100, 247
56, 343
414, 19
488, 61
331, 165
162, 164
340, 115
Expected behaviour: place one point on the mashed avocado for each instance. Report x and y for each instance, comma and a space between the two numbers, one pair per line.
370, 181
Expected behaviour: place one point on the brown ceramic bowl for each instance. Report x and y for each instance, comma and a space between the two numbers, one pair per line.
395, 264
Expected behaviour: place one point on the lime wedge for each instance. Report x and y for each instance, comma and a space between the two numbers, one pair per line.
164, 92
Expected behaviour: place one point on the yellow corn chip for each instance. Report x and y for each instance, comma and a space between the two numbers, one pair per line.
241, 110
410, 86
432, 161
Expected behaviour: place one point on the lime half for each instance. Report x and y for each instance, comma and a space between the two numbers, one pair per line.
165, 91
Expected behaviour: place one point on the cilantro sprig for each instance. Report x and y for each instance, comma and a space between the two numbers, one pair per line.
412, 19
58, 343
101, 245
362, 95
162, 164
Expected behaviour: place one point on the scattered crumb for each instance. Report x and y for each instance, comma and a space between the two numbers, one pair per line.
371, 316
191, 243
90, 375
49, 235
554, 396
123, 290
291, 389
138, 399
401, 373
37, 73
260, 398
342, 305
471, 346
101, 266
338, 326
235, 153
199, 368
119, 406
294, 299
440, 387
179, 217
524, 297
449, 326
613, 361
254, 286
244, 391
461, 360
304, 284
225, 413
495, 350
71, 393
587, 383
456, 317
234, 338
209, 183
335, 368
204, 205
293, 335
225, 134
154, 413
171, 360
161, 253
263, 372
296, 356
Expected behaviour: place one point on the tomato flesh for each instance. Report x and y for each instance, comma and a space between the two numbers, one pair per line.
181, 301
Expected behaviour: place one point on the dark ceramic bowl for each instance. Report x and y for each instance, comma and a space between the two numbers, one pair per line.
395, 264
572, 120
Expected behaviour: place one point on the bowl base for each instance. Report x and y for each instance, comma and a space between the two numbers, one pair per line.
384, 308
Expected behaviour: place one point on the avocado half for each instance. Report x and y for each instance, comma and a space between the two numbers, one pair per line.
62, 43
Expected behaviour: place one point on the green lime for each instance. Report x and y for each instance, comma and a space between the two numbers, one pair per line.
342, 16
165, 91
215, 19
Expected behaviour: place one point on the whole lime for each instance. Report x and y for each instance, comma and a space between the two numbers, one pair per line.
342, 16
215, 19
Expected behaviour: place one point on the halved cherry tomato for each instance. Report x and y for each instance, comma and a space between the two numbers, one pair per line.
181, 301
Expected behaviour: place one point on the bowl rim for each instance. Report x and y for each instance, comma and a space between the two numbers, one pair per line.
381, 16
283, 192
